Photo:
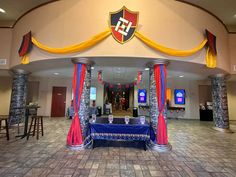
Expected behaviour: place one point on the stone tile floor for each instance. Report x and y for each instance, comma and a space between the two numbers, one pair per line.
198, 151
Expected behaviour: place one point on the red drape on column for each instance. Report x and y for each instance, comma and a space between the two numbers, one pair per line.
74, 137
160, 78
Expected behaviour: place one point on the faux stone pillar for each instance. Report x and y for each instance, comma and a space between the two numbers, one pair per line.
154, 112
85, 100
18, 97
153, 100
220, 103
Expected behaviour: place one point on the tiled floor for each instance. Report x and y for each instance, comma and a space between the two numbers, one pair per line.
198, 150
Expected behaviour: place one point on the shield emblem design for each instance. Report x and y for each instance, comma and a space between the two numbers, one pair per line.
123, 24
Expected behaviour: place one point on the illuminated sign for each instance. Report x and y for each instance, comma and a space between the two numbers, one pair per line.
179, 96
142, 96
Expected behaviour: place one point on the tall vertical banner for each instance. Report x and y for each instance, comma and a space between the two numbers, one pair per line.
160, 78
74, 137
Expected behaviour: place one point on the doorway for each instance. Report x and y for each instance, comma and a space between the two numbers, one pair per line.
119, 97
58, 101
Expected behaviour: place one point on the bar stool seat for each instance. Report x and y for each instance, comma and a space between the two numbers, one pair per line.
4, 118
37, 124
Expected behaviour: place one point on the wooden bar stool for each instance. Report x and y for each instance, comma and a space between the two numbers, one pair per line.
4, 118
37, 123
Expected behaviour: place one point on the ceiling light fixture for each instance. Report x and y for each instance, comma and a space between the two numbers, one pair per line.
147, 69
181, 76
56, 73
2, 10
234, 15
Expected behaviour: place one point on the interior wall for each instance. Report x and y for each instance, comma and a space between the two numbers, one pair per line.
231, 93
100, 93
5, 45
205, 93
45, 92
191, 100
33, 91
232, 52
5, 94
87, 20
142, 85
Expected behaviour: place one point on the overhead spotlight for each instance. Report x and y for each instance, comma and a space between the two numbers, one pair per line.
56, 73
92, 67
2, 10
147, 69
181, 76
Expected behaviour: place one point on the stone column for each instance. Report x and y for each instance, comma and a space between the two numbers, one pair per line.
18, 97
154, 105
85, 100
220, 103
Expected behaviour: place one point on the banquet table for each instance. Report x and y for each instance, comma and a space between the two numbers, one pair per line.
101, 129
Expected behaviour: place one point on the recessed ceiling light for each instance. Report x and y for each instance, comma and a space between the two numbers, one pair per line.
92, 67
56, 73
146, 69
181, 76
2, 10
234, 15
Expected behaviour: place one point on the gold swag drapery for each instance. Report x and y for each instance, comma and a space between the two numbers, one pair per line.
210, 56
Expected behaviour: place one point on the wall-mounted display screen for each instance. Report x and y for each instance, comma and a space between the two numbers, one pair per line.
93, 93
179, 96
142, 96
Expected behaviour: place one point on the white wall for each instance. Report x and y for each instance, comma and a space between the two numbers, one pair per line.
192, 97
5, 45
5, 94
232, 51
142, 85
45, 92
191, 100
100, 93
170, 23
231, 88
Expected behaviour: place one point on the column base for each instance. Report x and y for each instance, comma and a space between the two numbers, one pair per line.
225, 130
160, 148
76, 147
80, 147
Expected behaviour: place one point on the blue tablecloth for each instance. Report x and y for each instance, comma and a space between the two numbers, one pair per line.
137, 132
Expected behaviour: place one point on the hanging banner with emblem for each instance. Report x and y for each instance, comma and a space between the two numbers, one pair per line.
123, 24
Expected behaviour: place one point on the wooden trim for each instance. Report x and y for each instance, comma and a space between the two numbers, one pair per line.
41, 5
207, 11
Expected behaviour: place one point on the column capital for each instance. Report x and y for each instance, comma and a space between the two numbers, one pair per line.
157, 62
20, 71
82, 61
219, 75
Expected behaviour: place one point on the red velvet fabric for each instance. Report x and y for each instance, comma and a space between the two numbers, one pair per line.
74, 137
160, 78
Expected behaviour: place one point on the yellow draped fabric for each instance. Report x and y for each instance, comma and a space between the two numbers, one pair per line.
210, 59
25, 60
74, 48
169, 51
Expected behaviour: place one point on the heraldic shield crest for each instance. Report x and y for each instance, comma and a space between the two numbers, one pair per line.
123, 24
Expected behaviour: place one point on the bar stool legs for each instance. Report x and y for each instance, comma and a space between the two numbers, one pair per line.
37, 123
6, 127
